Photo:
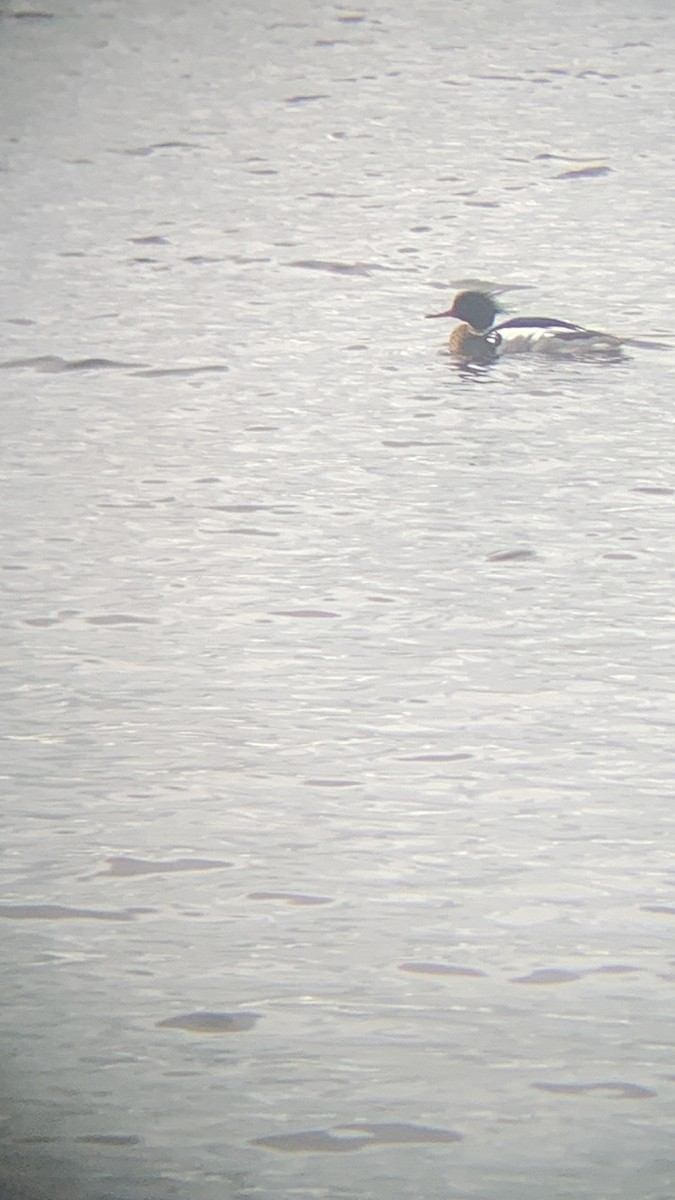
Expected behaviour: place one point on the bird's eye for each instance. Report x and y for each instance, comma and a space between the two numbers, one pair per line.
494, 339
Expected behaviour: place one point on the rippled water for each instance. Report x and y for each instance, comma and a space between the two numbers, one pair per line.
338, 681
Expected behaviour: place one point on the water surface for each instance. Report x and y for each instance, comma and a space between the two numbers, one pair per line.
338, 699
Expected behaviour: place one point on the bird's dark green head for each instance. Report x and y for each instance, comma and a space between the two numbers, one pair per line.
476, 308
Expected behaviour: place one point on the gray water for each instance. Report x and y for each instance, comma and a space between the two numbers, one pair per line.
339, 696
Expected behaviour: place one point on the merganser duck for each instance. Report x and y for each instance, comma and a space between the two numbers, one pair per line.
478, 339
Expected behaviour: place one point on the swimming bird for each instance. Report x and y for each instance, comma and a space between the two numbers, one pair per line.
479, 339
